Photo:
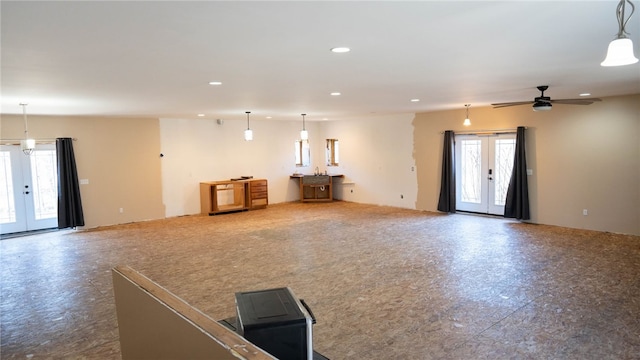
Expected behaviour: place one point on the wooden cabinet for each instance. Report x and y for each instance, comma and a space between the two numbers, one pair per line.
316, 191
233, 195
315, 188
257, 195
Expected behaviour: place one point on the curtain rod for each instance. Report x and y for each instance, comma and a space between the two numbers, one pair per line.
485, 131
41, 141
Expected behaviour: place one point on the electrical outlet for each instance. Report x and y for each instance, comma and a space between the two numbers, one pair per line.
585, 212
121, 210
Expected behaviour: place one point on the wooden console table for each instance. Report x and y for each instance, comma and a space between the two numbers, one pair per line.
233, 195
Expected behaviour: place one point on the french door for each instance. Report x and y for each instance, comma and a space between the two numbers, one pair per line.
28, 189
483, 171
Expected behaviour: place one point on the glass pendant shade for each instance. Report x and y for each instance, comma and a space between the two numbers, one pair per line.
27, 146
248, 135
620, 53
467, 121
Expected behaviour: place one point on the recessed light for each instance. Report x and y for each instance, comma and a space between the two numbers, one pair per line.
215, 83
269, 117
335, 94
200, 115
415, 100
340, 49
585, 94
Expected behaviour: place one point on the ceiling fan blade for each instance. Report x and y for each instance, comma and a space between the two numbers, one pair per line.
499, 105
584, 101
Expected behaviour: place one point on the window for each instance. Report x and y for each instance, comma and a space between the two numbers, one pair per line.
333, 158
303, 154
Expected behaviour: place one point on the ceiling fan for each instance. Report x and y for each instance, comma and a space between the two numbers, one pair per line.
542, 103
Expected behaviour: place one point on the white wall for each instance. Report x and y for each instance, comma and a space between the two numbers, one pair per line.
375, 155
202, 150
376, 158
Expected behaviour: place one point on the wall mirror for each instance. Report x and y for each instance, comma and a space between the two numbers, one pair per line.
332, 152
303, 154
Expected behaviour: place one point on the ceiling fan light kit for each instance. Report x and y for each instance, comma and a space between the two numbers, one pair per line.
541, 106
620, 51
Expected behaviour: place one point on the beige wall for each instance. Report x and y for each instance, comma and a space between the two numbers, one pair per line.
582, 157
119, 157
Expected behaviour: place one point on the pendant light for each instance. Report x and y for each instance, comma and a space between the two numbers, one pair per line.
248, 134
304, 134
27, 145
467, 121
620, 51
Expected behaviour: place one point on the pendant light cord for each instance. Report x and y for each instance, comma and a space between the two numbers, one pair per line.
622, 23
24, 116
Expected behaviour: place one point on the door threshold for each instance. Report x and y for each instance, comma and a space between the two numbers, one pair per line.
26, 233
464, 212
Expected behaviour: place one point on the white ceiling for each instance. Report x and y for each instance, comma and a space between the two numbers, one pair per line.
156, 58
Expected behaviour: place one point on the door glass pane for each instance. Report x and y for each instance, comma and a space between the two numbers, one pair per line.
504, 153
471, 166
45, 185
7, 201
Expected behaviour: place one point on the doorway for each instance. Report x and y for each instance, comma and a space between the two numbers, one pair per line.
483, 166
28, 189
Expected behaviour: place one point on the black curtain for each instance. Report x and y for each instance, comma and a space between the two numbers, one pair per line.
517, 202
447, 201
69, 202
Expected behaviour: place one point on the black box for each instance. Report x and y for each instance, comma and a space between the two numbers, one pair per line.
277, 322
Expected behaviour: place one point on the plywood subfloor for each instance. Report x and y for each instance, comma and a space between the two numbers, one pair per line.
384, 283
